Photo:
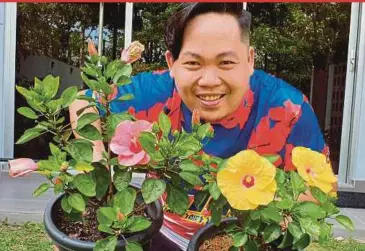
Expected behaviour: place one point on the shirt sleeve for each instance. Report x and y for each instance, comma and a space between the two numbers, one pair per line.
307, 133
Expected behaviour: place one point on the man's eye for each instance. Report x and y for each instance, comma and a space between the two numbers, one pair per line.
227, 62
192, 63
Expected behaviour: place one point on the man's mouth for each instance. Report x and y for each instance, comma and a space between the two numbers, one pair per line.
210, 97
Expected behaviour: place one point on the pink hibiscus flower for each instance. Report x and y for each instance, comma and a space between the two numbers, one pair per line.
126, 145
21, 167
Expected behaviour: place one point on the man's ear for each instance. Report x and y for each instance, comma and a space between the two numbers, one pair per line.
169, 61
251, 59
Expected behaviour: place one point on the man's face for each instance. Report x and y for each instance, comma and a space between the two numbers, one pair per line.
214, 66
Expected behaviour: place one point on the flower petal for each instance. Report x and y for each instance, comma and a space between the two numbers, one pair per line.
262, 197
21, 167
131, 160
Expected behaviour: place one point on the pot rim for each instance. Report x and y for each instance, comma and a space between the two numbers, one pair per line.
196, 239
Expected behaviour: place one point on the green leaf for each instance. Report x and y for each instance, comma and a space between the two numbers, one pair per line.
330, 208
80, 150
325, 233
295, 230
41, 189
83, 167
125, 200
287, 240
297, 184
200, 199
104, 86
102, 219
109, 213
346, 222
253, 227
90, 70
191, 178
102, 178
271, 213
138, 223
285, 204
272, 157
126, 97
86, 119
148, 142
318, 194
50, 86
122, 179
311, 226
77, 202
107, 244
164, 123
89, 132
216, 215
177, 199
309, 209
280, 176
187, 146
48, 165
27, 112
65, 205
112, 69
105, 229
203, 130
272, 232
69, 95
239, 239
85, 184
133, 246
251, 246
303, 242
92, 84
38, 85
30, 134
84, 97
54, 105
124, 80
189, 166
214, 190
152, 189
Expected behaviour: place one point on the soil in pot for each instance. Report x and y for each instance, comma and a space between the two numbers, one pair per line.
87, 230
222, 242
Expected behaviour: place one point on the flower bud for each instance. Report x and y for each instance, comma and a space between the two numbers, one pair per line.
57, 181
120, 216
91, 48
195, 120
132, 53
210, 133
64, 166
155, 128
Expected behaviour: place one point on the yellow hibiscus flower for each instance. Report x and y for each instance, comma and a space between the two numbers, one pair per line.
248, 180
314, 168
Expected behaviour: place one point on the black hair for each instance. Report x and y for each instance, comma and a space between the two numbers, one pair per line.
177, 23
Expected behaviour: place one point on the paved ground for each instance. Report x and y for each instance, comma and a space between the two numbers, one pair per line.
18, 205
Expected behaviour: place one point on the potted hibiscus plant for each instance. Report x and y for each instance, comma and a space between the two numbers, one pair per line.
97, 207
264, 205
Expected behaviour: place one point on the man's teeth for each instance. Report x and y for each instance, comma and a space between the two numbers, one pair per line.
210, 97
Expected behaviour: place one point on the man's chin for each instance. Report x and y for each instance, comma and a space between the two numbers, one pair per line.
211, 117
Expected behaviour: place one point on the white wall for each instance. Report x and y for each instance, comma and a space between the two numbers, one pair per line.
7, 77
359, 163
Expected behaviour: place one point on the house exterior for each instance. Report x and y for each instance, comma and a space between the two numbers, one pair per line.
345, 86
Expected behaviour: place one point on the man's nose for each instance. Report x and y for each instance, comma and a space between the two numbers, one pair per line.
209, 78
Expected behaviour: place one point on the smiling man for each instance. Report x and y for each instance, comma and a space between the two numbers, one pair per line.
211, 69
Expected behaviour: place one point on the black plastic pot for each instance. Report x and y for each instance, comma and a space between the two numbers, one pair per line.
66, 243
207, 232
210, 230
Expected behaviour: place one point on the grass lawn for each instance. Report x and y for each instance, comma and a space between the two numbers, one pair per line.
32, 237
